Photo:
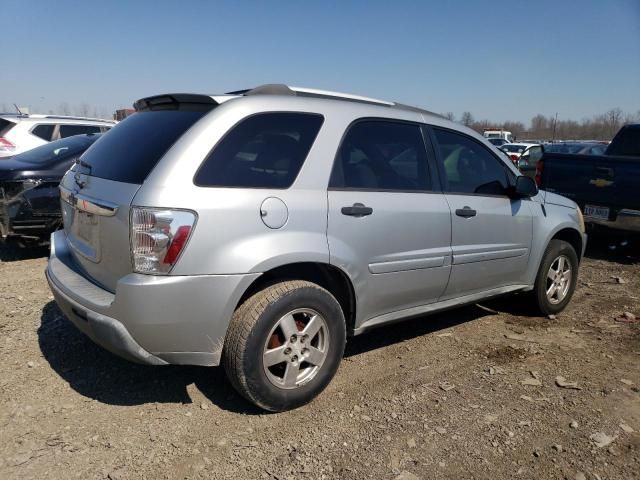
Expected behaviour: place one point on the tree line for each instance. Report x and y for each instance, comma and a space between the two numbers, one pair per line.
541, 127
80, 110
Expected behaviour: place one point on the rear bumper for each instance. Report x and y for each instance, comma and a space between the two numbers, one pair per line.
626, 219
103, 330
155, 320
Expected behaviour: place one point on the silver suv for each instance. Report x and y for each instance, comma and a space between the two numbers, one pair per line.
260, 228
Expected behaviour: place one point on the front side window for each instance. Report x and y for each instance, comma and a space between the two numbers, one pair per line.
382, 155
469, 167
45, 132
70, 130
266, 150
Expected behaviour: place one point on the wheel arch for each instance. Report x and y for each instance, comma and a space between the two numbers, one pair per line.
331, 278
572, 237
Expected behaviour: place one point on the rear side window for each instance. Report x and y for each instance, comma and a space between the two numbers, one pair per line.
45, 132
266, 150
70, 130
381, 155
131, 149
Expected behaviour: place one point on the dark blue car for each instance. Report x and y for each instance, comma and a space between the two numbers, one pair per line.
29, 196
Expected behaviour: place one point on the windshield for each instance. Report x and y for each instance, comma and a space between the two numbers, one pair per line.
57, 150
512, 148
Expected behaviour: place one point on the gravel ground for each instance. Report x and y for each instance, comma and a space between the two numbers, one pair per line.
472, 393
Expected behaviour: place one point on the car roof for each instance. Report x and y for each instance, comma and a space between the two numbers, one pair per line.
279, 90
26, 117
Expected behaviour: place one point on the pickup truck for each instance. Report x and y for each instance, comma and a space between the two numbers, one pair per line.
606, 187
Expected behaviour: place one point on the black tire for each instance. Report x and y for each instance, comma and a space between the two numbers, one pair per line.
251, 329
555, 250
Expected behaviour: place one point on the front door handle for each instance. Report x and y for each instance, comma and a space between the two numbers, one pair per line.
357, 210
466, 212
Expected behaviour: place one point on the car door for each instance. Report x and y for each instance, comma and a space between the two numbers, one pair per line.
490, 231
388, 228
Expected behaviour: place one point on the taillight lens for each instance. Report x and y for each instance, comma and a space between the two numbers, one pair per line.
6, 145
539, 169
158, 237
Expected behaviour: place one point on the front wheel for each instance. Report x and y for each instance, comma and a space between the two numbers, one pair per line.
557, 277
284, 344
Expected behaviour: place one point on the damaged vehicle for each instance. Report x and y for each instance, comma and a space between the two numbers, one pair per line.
29, 195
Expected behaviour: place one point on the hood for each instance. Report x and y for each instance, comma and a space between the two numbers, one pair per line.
555, 199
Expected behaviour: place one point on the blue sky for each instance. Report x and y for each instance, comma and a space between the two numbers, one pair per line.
497, 59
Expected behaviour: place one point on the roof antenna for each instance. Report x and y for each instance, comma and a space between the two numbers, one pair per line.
19, 112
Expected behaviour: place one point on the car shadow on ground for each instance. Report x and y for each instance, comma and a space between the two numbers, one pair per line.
12, 252
613, 246
98, 374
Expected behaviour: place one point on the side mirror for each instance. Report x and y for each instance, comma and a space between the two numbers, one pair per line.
525, 187
523, 162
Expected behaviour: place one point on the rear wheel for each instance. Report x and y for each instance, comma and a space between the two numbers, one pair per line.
284, 344
557, 277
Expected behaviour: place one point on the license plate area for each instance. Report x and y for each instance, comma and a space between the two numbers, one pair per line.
595, 211
85, 234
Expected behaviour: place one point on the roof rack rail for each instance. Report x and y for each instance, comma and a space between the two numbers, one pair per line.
67, 117
281, 89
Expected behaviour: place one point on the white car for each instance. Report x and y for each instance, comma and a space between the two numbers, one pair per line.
518, 150
22, 132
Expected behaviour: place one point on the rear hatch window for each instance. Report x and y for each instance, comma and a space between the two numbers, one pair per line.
5, 126
626, 142
132, 148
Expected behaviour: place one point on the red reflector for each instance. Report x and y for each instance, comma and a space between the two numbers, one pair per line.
514, 157
539, 169
180, 238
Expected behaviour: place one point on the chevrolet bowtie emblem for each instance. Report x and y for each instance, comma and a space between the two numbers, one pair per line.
601, 182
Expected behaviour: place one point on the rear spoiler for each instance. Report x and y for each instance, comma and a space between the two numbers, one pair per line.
176, 101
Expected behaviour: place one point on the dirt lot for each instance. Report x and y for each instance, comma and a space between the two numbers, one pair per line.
472, 393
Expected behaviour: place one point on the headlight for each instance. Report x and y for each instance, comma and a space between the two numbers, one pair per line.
580, 220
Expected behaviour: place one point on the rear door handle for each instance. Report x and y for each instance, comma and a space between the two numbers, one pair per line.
357, 210
466, 212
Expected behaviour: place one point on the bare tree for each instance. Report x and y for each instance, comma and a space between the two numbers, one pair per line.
449, 116
517, 128
466, 119
84, 110
64, 109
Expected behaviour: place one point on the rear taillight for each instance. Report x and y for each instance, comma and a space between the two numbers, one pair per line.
158, 237
6, 145
539, 169
514, 157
